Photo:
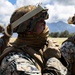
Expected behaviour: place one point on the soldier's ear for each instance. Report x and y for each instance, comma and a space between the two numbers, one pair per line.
1, 28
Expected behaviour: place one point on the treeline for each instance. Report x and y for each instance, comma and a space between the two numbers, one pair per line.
62, 34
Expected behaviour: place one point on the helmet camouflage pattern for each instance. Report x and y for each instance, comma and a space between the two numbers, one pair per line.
32, 21
71, 20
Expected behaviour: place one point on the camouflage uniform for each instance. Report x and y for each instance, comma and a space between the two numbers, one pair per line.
68, 52
42, 53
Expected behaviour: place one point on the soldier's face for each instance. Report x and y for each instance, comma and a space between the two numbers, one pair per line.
40, 26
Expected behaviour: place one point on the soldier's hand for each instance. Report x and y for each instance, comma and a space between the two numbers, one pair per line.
8, 30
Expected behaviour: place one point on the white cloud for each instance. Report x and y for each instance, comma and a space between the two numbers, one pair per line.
58, 9
60, 12
29, 2
6, 9
65, 2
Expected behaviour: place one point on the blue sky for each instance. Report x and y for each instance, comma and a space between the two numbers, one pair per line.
59, 10
12, 1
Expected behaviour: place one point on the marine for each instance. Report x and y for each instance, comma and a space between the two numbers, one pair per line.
32, 53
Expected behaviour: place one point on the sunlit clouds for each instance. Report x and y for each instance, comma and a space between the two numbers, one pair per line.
59, 10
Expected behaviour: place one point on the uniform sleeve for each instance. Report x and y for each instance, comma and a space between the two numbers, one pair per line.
55, 67
68, 52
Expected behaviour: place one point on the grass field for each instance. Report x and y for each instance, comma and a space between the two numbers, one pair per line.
59, 40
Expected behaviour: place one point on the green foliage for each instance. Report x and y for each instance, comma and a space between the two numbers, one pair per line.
62, 34
56, 34
71, 34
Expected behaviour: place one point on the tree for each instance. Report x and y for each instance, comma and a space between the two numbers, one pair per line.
64, 34
54, 34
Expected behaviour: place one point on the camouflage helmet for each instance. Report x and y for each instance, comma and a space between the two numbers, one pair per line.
22, 11
71, 20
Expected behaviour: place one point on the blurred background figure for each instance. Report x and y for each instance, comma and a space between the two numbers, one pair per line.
68, 50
